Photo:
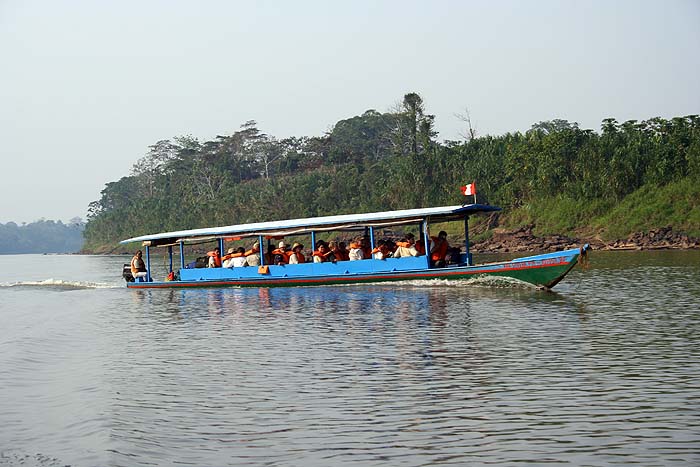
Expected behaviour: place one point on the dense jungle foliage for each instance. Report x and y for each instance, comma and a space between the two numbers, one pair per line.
43, 236
630, 176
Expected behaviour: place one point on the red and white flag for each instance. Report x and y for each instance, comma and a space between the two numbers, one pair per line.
468, 190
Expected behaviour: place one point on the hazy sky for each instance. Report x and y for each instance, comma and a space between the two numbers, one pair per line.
87, 86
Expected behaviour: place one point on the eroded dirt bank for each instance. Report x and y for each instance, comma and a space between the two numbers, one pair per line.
522, 239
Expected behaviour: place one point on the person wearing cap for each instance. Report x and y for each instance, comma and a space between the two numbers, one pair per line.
279, 254
297, 257
438, 249
226, 259
252, 256
238, 258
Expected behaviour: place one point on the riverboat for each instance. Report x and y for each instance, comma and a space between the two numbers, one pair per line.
543, 270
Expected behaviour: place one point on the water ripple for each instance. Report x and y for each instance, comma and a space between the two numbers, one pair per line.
601, 372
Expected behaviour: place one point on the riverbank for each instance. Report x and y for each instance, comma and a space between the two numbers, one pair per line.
524, 240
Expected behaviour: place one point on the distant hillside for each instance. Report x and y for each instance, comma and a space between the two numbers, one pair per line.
41, 237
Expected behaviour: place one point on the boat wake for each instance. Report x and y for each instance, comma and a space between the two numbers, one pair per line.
482, 281
59, 284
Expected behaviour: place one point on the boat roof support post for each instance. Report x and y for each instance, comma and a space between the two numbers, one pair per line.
371, 237
313, 241
260, 250
148, 263
182, 255
221, 247
466, 240
170, 256
426, 242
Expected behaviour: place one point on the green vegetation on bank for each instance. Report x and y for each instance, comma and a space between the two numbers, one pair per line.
43, 236
631, 176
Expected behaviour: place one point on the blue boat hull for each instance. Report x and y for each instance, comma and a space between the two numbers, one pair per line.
542, 270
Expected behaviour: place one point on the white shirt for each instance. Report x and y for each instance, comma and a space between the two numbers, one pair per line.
355, 254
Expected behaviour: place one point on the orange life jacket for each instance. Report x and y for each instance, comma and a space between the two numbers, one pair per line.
282, 253
217, 258
232, 255
300, 257
440, 249
341, 255
323, 256
137, 265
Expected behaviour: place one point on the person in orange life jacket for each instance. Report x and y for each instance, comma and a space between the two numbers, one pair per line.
406, 247
355, 252
341, 252
438, 249
382, 250
235, 259
297, 257
322, 254
330, 252
337, 255
226, 259
280, 254
214, 258
366, 246
138, 267
420, 247
252, 256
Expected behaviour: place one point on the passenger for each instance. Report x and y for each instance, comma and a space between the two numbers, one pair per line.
438, 249
420, 247
406, 247
138, 267
252, 256
341, 252
226, 260
297, 257
382, 251
279, 255
330, 253
323, 254
238, 259
355, 252
214, 258
366, 246
333, 247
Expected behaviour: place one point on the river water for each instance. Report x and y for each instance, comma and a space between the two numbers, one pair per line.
603, 371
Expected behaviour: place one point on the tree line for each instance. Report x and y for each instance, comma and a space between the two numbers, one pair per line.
43, 236
383, 161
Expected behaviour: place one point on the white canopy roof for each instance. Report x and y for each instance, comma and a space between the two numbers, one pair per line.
299, 226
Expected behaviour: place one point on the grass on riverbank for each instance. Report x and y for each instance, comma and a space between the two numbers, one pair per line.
676, 205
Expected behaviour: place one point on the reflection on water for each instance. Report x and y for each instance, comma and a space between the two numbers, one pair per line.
603, 371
